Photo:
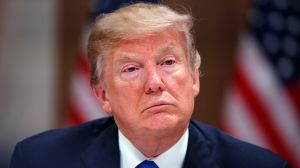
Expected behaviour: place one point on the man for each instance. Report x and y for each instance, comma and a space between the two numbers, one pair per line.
144, 72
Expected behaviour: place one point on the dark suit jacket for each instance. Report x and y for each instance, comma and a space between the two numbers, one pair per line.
95, 145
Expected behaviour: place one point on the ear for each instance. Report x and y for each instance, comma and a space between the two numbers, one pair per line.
196, 83
102, 98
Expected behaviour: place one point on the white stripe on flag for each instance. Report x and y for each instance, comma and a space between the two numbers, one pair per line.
266, 86
84, 99
239, 122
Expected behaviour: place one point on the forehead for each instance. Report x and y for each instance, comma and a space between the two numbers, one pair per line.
161, 42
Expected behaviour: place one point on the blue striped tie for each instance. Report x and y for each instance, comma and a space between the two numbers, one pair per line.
147, 164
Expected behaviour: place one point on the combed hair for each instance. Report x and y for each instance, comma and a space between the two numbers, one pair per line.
133, 21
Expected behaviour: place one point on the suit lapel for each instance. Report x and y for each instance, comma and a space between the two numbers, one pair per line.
104, 152
199, 151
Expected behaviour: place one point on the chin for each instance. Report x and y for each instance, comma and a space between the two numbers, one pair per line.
163, 123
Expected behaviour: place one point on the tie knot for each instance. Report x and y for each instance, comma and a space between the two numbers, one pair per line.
147, 164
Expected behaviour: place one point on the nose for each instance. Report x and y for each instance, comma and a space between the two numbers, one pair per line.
153, 82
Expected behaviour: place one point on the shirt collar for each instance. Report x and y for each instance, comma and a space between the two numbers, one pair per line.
173, 157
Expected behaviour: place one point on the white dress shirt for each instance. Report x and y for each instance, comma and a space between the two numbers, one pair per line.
173, 157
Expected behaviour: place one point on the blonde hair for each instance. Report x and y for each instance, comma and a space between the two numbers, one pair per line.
137, 20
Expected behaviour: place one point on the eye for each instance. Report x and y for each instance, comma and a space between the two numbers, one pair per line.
130, 72
168, 62
130, 69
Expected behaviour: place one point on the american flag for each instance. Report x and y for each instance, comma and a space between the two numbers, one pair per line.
262, 105
82, 104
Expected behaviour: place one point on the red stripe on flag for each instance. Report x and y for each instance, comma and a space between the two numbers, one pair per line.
259, 112
82, 63
74, 117
294, 94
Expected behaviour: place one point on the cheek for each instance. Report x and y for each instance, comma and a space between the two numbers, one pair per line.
124, 94
180, 84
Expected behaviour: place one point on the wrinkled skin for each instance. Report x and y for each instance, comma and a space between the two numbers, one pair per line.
149, 88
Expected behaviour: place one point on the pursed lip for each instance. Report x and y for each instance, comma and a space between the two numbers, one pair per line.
157, 104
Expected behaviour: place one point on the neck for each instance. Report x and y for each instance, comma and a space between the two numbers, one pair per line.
152, 145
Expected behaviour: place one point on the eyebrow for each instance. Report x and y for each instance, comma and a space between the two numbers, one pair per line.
126, 57
168, 48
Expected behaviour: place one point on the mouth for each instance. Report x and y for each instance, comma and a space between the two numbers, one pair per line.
157, 105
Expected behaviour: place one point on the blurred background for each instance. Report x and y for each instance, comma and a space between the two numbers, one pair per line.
250, 86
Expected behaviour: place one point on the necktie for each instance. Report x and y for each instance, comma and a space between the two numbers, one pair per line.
147, 164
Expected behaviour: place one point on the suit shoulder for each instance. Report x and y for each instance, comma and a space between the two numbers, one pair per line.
228, 150
67, 136
60, 147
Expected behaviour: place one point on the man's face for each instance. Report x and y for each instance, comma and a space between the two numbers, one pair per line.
148, 85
